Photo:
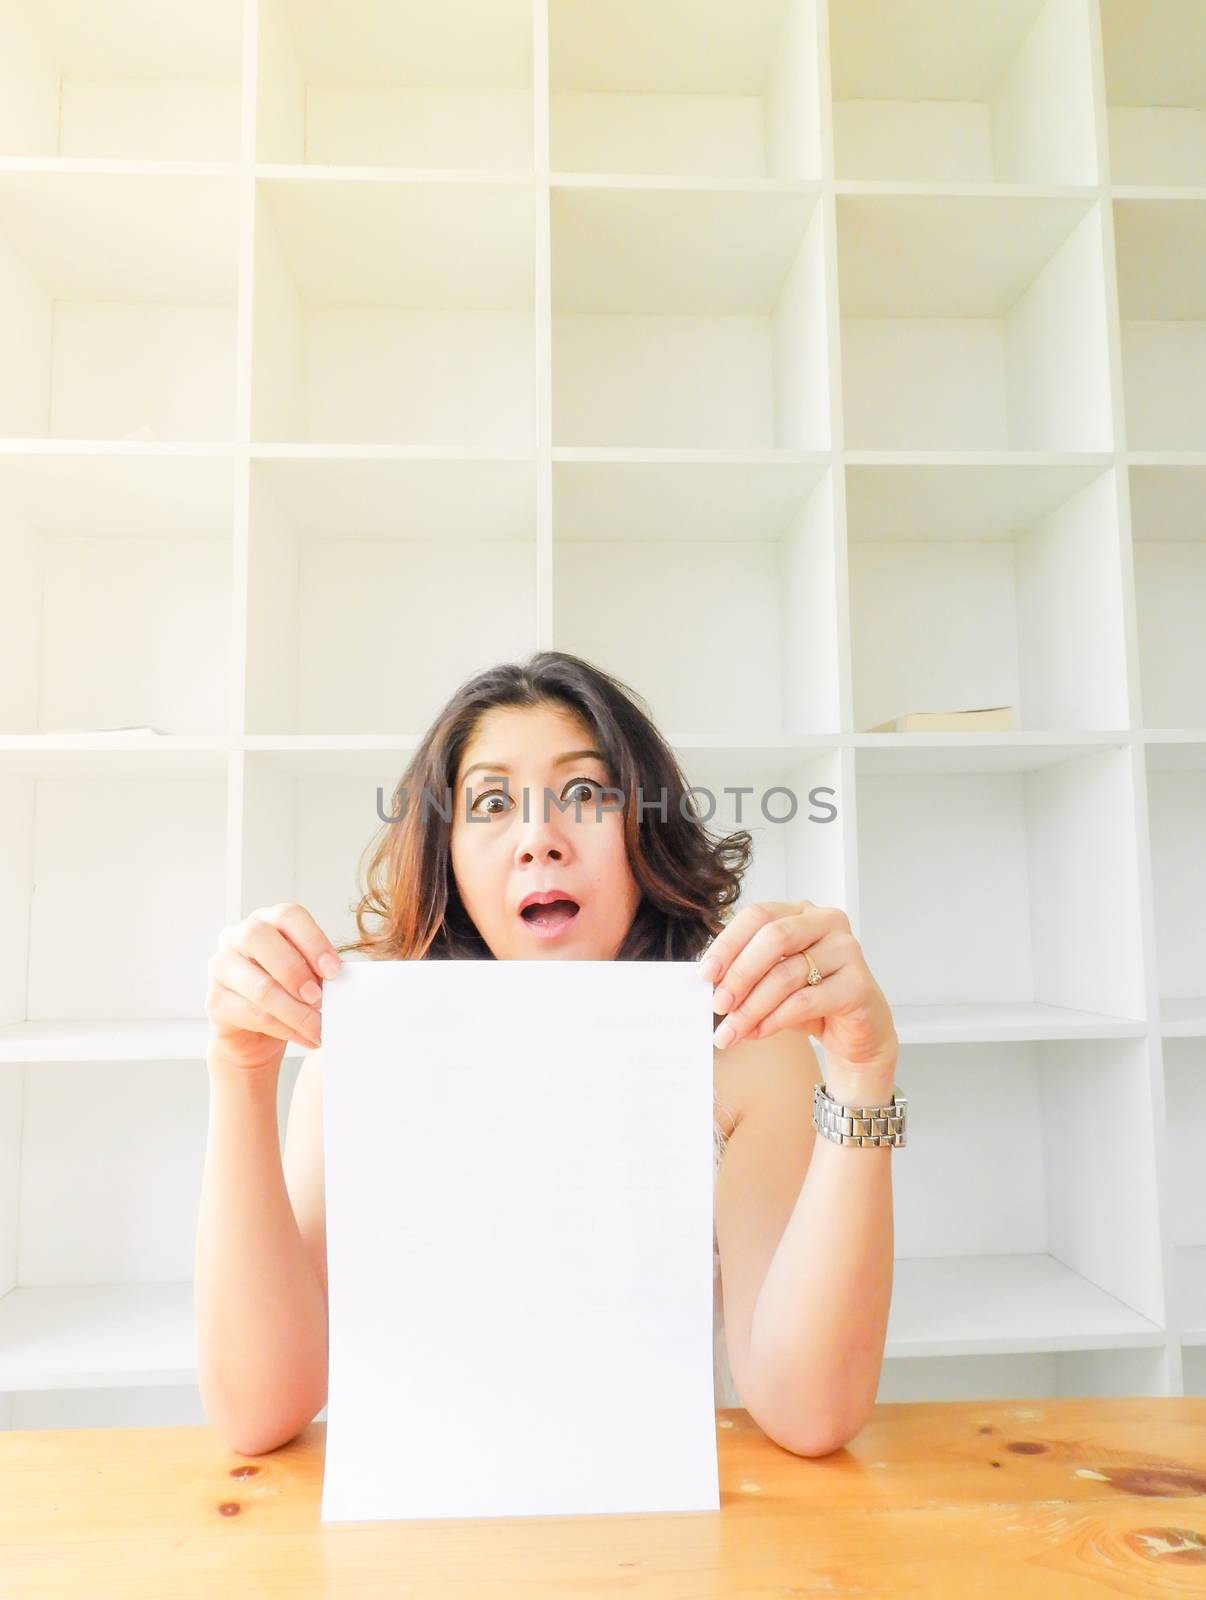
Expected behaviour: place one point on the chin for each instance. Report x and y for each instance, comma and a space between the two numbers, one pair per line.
558, 953
558, 950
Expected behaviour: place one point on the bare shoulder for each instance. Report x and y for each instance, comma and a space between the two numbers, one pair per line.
303, 1161
764, 1072
769, 1083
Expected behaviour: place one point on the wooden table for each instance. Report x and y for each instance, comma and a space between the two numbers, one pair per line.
1060, 1498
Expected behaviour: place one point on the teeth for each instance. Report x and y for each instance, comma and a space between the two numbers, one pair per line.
543, 905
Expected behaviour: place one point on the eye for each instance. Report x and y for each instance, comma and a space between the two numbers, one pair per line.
489, 794
499, 794
584, 783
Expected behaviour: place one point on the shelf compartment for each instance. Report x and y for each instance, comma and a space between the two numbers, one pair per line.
127, 1039
987, 585
352, 565
117, 306
154, 1406
116, 612
1183, 1018
1191, 1300
144, 912
997, 94
421, 334
97, 1335
689, 318
988, 332
310, 821
994, 1250
1007, 1021
1168, 525
754, 543
1027, 1379
124, 1039
692, 89
1005, 1303
1051, 847
1161, 250
1185, 1095
99, 1214
796, 815
358, 83
1176, 801
1155, 71
1191, 1281
129, 80
122, 1142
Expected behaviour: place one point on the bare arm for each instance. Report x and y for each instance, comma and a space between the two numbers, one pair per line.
806, 1242
260, 1269
261, 1309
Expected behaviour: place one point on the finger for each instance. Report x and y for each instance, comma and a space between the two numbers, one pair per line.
228, 1010
296, 923
776, 939
263, 1006
807, 1009
264, 995
721, 952
264, 941
785, 978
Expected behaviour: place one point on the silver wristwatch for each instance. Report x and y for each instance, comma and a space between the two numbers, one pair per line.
861, 1125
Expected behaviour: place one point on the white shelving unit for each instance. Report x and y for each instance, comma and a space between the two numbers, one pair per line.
1155, 70
931, 90
111, 292
133, 80
803, 362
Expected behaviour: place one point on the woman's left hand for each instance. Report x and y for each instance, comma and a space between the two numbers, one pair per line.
759, 966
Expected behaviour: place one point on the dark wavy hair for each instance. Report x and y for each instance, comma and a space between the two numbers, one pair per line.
688, 877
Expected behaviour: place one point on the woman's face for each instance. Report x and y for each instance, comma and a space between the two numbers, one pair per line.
500, 856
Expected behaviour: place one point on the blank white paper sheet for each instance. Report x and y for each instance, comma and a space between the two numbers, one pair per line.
519, 1174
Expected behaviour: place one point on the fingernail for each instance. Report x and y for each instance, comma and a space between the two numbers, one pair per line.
722, 1001
310, 992
709, 967
328, 964
724, 1035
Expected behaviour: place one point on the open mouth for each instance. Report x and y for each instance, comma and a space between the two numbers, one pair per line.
550, 916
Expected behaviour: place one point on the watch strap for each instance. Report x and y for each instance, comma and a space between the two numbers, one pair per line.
866, 1126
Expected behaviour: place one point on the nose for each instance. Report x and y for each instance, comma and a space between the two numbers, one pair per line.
541, 838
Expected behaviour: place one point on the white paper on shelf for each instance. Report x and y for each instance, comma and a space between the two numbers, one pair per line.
518, 1162
123, 727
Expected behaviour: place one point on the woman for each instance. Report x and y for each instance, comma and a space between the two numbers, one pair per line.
543, 818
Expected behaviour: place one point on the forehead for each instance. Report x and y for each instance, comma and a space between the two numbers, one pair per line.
507, 733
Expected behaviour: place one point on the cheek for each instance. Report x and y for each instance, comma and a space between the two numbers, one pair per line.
613, 856
469, 866
456, 852
486, 860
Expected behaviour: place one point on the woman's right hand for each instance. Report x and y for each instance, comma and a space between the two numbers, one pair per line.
265, 985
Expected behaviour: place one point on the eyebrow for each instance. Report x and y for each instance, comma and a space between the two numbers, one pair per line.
558, 761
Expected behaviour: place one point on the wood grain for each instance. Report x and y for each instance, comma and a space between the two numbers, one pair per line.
1061, 1498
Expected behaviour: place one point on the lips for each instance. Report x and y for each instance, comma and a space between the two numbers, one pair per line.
548, 912
546, 897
